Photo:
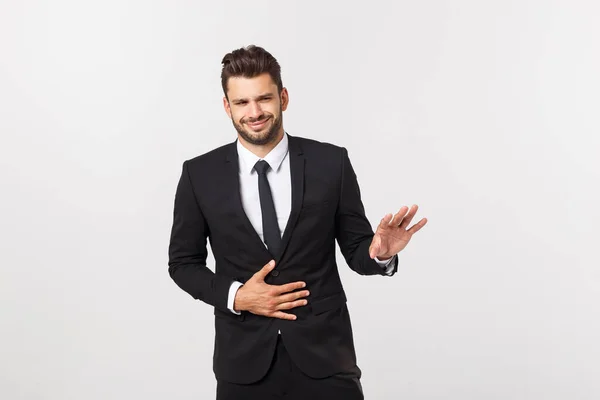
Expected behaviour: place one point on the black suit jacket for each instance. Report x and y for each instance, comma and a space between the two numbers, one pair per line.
326, 206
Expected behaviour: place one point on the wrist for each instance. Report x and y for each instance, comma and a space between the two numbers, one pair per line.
238, 302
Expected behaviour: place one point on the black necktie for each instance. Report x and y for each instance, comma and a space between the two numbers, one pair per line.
271, 232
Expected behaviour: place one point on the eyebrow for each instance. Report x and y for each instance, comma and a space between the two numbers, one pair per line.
260, 97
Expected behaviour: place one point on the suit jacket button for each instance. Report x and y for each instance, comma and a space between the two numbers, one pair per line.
275, 273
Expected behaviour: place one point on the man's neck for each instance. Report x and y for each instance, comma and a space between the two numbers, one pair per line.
262, 150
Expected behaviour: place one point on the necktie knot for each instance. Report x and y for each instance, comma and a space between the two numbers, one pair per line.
261, 167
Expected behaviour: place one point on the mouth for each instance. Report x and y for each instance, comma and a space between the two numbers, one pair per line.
258, 124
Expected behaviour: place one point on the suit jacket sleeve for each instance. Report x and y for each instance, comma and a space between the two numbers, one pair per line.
187, 249
353, 230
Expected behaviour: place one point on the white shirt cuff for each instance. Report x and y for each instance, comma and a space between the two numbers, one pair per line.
231, 297
387, 265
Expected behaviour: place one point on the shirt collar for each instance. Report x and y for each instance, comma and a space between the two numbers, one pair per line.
247, 159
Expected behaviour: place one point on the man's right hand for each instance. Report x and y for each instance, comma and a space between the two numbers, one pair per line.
260, 298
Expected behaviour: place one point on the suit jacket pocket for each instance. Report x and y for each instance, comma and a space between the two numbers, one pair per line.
310, 207
331, 302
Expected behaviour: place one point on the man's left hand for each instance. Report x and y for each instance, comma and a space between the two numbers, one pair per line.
392, 234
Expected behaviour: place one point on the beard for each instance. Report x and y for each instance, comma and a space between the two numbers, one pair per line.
262, 137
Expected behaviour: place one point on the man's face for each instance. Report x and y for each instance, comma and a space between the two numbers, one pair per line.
255, 108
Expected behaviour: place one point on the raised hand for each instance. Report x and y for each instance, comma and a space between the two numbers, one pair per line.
260, 298
392, 234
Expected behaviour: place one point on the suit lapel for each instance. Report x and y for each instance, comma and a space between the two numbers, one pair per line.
297, 181
233, 181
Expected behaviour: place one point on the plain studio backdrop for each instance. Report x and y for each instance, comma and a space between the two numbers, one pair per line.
485, 114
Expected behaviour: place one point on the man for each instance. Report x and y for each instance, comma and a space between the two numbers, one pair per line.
273, 206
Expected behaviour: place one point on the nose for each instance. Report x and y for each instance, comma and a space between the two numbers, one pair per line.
254, 110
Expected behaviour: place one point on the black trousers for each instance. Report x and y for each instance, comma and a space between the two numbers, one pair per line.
285, 381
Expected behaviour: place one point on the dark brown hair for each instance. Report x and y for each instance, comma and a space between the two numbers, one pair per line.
249, 62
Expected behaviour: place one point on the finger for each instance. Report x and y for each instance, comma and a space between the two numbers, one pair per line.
292, 304
385, 221
282, 315
293, 296
264, 271
288, 287
397, 220
416, 227
409, 216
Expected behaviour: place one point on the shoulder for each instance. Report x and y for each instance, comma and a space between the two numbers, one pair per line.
324, 159
312, 147
211, 158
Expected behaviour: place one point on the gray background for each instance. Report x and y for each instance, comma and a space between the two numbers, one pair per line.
485, 113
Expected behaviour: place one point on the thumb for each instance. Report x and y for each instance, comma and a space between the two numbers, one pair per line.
264, 271
374, 248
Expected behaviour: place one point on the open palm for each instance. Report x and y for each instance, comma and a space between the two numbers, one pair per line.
392, 234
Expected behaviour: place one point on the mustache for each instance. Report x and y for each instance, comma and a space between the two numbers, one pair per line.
253, 120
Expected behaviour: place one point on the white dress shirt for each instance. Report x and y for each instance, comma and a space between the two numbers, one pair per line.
281, 189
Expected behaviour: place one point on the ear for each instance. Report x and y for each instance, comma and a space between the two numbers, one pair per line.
285, 99
227, 106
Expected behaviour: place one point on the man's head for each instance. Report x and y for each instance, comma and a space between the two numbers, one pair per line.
254, 94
